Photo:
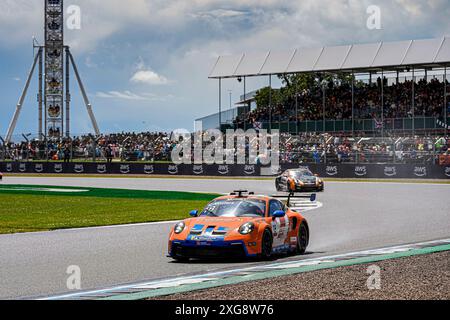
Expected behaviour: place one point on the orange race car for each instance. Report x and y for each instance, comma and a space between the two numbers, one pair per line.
299, 180
240, 225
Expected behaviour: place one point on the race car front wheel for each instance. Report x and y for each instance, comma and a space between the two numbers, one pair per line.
278, 185
302, 239
266, 245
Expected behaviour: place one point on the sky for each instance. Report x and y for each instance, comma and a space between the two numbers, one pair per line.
145, 63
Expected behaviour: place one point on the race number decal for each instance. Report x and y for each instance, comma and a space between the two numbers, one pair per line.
280, 230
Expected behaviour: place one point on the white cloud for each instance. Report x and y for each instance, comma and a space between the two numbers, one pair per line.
219, 13
310, 19
128, 95
149, 77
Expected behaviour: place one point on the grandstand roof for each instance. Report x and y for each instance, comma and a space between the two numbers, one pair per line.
358, 58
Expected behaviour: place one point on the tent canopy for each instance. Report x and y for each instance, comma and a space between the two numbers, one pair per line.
358, 58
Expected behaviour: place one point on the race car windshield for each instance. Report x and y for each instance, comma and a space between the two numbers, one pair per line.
235, 208
302, 174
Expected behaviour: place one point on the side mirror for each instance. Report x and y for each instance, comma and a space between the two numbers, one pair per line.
194, 213
279, 214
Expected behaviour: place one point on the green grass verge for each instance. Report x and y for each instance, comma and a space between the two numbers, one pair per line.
103, 193
33, 210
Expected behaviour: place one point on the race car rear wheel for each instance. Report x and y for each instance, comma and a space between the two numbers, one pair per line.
266, 245
302, 239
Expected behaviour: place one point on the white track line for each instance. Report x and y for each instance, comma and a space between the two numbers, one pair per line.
212, 274
90, 228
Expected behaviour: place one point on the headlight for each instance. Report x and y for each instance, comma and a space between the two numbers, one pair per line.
179, 227
247, 228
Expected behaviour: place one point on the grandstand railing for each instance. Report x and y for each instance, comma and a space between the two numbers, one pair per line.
359, 125
367, 157
352, 157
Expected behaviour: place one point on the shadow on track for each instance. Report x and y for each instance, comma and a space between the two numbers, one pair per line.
220, 260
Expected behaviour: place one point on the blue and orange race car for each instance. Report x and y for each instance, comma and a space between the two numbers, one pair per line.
240, 225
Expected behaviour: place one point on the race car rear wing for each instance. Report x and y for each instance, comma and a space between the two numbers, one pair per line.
312, 197
241, 193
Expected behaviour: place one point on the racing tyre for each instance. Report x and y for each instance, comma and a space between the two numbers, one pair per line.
266, 245
278, 187
302, 239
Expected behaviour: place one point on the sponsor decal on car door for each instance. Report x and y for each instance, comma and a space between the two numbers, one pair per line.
280, 230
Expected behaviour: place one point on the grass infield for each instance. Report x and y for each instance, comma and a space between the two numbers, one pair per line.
43, 208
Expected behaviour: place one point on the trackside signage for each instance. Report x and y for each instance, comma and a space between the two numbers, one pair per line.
360, 171
399, 171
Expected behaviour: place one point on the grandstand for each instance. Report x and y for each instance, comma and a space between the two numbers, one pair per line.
374, 89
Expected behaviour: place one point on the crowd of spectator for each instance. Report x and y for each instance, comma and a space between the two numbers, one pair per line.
125, 146
304, 148
325, 148
397, 101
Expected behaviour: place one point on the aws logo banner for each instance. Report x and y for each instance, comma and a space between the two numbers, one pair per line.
9, 167
361, 171
332, 171
78, 168
149, 169
197, 169
249, 170
124, 168
447, 171
390, 171
22, 167
223, 169
101, 168
39, 167
420, 172
173, 169
58, 168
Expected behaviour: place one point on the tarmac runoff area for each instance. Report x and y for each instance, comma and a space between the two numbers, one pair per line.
354, 216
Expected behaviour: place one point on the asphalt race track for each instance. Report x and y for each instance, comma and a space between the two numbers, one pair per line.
354, 216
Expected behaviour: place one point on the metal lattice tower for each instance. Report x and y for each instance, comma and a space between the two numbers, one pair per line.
54, 60
54, 69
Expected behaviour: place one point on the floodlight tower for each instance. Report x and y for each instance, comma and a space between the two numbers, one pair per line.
54, 91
